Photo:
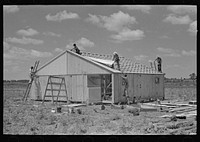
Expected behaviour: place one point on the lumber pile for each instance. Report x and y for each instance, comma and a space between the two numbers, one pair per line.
181, 111
178, 110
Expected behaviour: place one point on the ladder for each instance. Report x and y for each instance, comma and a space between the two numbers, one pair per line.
30, 84
49, 82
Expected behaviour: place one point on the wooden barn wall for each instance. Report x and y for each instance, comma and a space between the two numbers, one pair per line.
56, 67
141, 86
78, 88
145, 86
77, 65
75, 85
117, 89
71, 64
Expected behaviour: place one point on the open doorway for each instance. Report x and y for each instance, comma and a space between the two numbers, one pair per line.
106, 87
100, 87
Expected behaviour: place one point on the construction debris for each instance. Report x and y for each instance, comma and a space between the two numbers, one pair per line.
144, 107
134, 111
102, 107
193, 102
183, 109
181, 116
58, 109
74, 105
116, 106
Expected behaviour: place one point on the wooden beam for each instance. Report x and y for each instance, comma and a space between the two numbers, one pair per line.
113, 88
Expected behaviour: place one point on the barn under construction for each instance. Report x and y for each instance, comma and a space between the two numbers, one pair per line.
89, 78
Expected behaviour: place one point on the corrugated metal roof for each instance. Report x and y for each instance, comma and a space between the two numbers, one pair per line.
126, 65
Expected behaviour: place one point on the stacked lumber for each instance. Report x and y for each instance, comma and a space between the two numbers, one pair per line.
182, 111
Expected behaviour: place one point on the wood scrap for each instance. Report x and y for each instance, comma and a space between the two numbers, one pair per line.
177, 104
192, 133
158, 105
169, 104
147, 108
187, 110
185, 105
180, 115
181, 108
192, 102
74, 105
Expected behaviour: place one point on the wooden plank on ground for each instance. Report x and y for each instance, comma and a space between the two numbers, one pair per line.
158, 105
192, 102
188, 110
147, 108
180, 115
74, 105
181, 108
177, 104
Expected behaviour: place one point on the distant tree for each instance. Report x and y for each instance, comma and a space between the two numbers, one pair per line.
193, 77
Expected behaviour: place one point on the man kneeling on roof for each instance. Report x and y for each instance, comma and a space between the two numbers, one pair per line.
158, 60
115, 58
75, 49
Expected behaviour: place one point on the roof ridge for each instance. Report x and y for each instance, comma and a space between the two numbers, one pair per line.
86, 53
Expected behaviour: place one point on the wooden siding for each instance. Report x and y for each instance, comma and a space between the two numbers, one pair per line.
141, 86
76, 86
117, 90
56, 67
79, 84
77, 65
68, 63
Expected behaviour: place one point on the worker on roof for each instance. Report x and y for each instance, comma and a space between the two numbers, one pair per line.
31, 74
76, 50
115, 58
158, 60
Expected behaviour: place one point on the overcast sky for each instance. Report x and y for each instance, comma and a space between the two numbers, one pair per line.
137, 32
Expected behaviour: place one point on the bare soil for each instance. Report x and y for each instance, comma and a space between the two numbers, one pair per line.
35, 118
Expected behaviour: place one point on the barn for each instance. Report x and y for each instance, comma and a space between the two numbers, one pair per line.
89, 78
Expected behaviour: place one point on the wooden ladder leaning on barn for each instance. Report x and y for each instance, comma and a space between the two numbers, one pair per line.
30, 84
49, 82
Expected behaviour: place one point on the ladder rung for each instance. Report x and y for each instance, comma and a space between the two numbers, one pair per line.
109, 93
56, 96
55, 90
56, 83
56, 77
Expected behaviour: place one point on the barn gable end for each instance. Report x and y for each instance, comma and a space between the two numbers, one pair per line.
71, 63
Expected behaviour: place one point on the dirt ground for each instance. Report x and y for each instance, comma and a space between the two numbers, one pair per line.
35, 118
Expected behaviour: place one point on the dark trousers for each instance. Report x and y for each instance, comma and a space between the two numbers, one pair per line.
159, 68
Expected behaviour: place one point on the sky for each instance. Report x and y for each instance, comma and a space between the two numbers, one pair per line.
137, 32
